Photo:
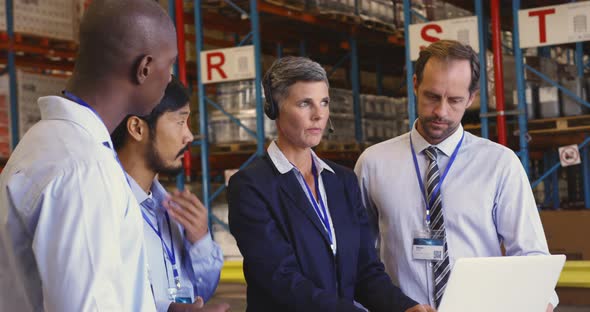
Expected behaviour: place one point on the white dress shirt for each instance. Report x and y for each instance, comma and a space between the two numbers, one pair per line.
486, 200
283, 165
71, 232
199, 264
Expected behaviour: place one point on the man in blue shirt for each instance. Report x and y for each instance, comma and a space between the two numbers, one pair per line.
184, 262
440, 189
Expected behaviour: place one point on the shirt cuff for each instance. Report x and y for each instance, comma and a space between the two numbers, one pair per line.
163, 305
203, 248
554, 300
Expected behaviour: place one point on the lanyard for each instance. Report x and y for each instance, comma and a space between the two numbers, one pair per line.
440, 182
78, 100
169, 251
321, 209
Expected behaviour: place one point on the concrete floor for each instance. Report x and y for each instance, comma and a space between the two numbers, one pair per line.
235, 295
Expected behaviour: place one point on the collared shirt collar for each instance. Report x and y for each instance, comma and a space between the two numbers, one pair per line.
56, 107
152, 204
447, 146
284, 165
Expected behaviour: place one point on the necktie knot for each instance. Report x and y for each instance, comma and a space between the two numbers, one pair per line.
431, 153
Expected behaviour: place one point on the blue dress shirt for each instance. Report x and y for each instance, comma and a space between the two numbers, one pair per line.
486, 198
199, 264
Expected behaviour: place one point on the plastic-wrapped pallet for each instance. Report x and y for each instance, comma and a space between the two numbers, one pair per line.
341, 101
5, 132
571, 107
377, 10
30, 87
343, 126
344, 7
47, 18
223, 130
236, 96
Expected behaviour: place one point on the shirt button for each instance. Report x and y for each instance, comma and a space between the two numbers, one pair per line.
200, 280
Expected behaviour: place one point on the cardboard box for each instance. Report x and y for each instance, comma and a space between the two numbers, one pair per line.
567, 233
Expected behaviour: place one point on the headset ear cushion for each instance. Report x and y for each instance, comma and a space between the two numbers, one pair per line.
269, 109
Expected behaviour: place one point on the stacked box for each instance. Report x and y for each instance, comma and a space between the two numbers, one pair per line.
56, 19
30, 87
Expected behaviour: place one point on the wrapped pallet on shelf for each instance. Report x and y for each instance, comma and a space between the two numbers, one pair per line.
340, 101
337, 7
236, 96
571, 107
377, 11
223, 130
56, 19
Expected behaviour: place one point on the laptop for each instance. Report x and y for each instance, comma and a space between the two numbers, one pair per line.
521, 283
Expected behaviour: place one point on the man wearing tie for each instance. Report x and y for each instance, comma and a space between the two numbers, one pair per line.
438, 193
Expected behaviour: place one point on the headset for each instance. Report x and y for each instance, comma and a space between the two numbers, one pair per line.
271, 107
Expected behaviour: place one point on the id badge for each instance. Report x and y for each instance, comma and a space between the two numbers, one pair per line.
425, 247
182, 295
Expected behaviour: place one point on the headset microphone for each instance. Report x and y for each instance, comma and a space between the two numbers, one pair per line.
331, 128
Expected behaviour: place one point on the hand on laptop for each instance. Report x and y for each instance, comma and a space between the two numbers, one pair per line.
421, 308
550, 308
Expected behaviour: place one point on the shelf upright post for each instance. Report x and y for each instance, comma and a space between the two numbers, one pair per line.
520, 90
409, 64
255, 24
203, 119
14, 120
483, 77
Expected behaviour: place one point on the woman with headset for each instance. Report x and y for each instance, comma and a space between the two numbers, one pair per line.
298, 220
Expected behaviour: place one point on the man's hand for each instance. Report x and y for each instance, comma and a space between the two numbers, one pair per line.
187, 209
550, 308
421, 308
198, 306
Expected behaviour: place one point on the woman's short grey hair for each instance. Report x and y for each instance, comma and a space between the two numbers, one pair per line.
287, 71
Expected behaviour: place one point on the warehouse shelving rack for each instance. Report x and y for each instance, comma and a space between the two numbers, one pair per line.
348, 52
549, 177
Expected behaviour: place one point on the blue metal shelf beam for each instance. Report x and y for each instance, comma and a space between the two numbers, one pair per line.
483, 82
520, 90
557, 85
409, 64
11, 66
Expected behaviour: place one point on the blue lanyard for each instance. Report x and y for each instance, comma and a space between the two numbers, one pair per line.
440, 182
169, 251
321, 209
78, 100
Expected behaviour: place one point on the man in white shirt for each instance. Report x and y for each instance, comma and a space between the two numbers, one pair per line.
438, 193
71, 233
184, 261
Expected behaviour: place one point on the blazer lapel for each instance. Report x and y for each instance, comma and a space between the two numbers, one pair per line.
292, 189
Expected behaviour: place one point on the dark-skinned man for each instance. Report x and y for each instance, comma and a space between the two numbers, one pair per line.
71, 232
